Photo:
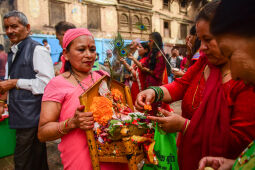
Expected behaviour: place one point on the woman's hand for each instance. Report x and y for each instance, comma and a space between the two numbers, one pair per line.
145, 97
122, 60
178, 73
130, 56
82, 120
170, 123
217, 163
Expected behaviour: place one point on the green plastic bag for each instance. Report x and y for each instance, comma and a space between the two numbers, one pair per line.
165, 150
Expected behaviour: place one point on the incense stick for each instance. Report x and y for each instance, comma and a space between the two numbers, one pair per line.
162, 54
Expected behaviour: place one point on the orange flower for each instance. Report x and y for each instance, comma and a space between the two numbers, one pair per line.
98, 131
147, 107
117, 95
102, 110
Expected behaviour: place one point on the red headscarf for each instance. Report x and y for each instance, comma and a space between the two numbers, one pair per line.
209, 129
69, 36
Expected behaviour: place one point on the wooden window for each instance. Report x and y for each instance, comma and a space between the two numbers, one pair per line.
135, 21
56, 12
183, 6
146, 21
124, 19
183, 30
167, 29
94, 18
166, 4
124, 22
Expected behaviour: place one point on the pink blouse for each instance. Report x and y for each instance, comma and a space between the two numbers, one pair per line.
74, 147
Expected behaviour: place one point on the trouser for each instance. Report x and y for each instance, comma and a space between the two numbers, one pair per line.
30, 153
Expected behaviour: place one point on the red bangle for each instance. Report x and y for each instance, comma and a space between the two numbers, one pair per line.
66, 123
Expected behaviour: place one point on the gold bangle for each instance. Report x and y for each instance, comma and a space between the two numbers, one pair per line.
2, 101
186, 127
66, 123
61, 131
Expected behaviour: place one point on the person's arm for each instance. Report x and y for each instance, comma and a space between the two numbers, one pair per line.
242, 123
147, 97
216, 163
50, 129
139, 65
128, 67
7, 85
2, 103
43, 67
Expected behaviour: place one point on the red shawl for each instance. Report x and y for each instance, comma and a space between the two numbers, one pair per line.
208, 126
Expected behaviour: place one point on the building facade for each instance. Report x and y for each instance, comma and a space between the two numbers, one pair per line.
105, 17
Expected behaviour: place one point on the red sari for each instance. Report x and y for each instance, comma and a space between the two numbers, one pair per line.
139, 80
222, 115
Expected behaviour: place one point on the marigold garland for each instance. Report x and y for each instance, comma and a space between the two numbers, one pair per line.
102, 110
117, 95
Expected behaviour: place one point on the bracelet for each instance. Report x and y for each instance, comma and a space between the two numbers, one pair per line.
2, 101
159, 94
156, 92
186, 127
66, 123
60, 131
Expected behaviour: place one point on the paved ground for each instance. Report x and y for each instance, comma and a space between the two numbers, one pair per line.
54, 160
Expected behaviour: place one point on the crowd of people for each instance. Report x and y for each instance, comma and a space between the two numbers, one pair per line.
214, 78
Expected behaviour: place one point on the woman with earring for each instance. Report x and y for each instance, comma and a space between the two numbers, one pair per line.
216, 110
61, 113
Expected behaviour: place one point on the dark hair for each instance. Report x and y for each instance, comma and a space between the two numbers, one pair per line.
1, 47
193, 30
68, 66
145, 46
154, 51
44, 40
22, 17
196, 46
63, 26
234, 17
174, 48
208, 11
197, 43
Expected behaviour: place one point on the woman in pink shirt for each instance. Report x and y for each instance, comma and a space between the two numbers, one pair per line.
61, 113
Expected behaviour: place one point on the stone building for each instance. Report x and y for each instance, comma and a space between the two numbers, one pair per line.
106, 17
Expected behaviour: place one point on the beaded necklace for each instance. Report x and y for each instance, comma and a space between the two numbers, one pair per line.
193, 99
79, 82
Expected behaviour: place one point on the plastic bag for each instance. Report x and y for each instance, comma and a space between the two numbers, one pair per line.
166, 151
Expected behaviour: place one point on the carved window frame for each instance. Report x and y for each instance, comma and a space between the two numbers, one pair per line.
53, 22
98, 14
